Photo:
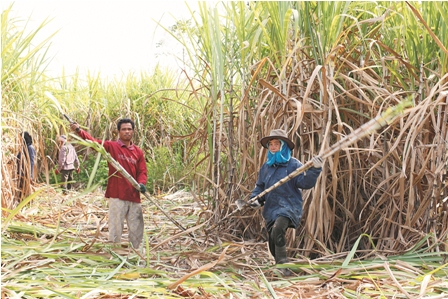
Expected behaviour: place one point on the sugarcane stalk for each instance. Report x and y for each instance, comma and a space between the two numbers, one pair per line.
58, 106
99, 148
366, 129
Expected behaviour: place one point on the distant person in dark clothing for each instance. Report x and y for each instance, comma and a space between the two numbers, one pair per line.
67, 162
25, 164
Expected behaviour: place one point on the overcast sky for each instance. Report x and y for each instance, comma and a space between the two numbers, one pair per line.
111, 37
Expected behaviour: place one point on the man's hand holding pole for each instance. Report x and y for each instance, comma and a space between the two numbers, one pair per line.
75, 127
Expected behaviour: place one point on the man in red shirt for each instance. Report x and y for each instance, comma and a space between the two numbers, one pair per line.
124, 199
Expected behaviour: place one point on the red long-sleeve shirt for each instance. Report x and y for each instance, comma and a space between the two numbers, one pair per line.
133, 161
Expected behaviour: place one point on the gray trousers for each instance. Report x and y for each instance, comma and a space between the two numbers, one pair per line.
119, 210
67, 176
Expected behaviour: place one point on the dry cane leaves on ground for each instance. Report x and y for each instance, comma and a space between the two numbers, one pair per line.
57, 247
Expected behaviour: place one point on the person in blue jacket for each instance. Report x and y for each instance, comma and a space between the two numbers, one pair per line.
282, 207
25, 165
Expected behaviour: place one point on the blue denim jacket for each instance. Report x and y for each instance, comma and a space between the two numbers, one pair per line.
285, 200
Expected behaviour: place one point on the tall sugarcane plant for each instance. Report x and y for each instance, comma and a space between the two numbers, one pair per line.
321, 70
366, 129
142, 97
23, 66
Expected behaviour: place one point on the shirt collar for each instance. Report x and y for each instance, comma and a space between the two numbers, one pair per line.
131, 146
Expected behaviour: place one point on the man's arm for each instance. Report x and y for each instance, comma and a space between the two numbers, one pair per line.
259, 187
83, 134
308, 179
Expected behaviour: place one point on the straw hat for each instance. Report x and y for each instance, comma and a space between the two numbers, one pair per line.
277, 134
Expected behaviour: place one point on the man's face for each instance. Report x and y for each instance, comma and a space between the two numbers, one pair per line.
274, 145
125, 132
61, 141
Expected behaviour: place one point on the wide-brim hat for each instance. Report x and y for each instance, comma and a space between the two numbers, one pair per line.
277, 134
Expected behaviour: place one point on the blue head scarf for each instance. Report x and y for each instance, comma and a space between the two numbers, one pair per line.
280, 157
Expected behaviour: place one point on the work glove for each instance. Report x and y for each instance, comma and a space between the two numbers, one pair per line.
78, 170
317, 162
255, 204
142, 188
56, 171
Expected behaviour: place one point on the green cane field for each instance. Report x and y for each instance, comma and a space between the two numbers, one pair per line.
374, 226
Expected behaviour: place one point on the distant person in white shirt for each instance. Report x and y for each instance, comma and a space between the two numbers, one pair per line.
67, 162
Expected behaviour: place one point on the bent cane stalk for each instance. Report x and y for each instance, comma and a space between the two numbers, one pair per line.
100, 149
366, 129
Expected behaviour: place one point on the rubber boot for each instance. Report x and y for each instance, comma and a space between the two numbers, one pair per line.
282, 258
280, 255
